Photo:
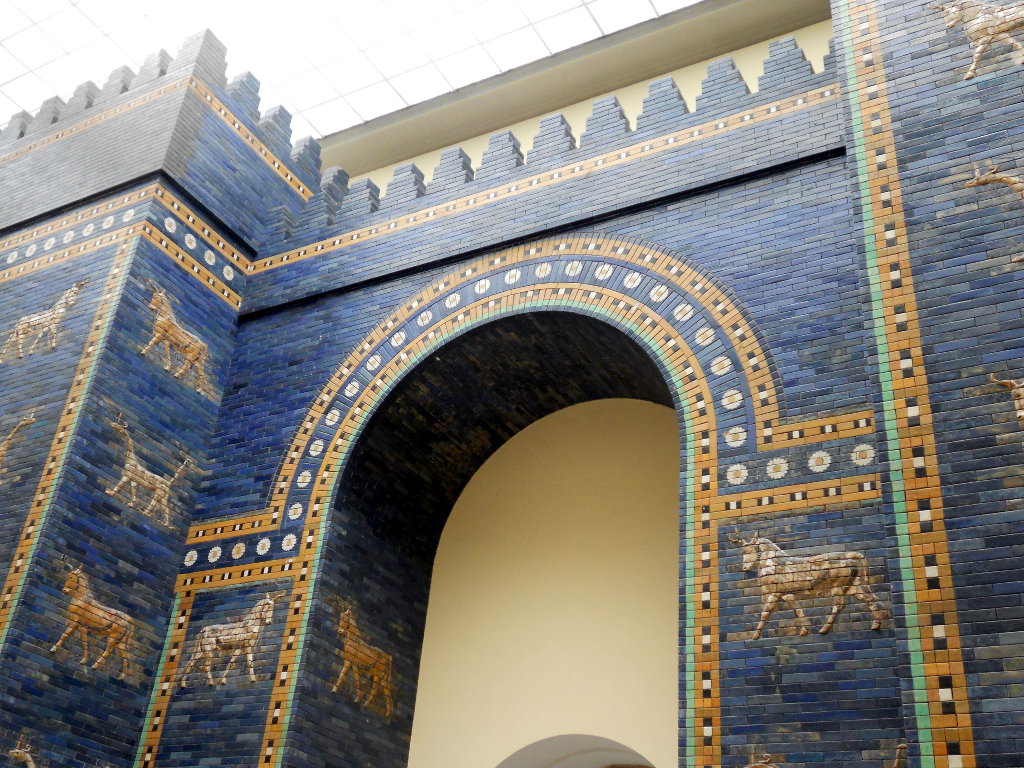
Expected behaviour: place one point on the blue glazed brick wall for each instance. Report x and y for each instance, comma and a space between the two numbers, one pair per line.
825, 215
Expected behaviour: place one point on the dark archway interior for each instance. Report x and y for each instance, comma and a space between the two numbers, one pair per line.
414, 458
459, 406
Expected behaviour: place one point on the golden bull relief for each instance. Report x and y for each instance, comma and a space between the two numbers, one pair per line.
5, 446
898, 762
236, 637
134, 475
41, 323
994, 176
783, 576
167, 330
362, 660
984, 24
88, 615
22, 753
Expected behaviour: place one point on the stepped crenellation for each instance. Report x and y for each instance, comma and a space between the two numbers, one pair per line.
786, 71
202, 56
405, 186
607, 122
723, 90
663, 108
503, 155
453, 170
554, 140
363, 197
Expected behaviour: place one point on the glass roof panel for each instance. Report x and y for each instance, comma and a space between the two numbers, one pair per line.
331, 64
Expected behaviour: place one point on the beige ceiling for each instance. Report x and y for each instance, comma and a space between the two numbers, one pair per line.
703, 31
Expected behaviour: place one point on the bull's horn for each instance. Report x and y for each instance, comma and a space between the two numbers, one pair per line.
734, 537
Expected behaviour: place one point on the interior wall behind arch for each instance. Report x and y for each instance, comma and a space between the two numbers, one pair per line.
554, 601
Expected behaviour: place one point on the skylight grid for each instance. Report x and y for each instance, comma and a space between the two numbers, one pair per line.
332, 65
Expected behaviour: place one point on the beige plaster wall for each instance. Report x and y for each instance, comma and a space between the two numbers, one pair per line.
813, 40
553, 606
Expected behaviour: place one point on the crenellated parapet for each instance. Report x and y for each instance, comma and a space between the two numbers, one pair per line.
724, 105
163, 120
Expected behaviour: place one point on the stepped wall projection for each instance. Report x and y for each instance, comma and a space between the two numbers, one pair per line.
239, 397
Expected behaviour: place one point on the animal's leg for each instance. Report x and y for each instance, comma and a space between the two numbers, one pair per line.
766, 610
148, 511
133, 494
116, 489
83, 633
341, 676
863, 593
7, 346
357, 678
54, 333
106, 653
149, 346
122, 648
208, 658
21, 343
188, 668
373, 689
839, 598
231, 662
167, 355
35, 342
1011, 41
805, 625
185, 365
200, 368
252, 669
978, 53
67, 632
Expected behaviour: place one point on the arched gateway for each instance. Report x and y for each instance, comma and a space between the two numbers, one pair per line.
700, 349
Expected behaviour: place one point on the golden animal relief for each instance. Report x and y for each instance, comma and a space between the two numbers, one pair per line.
994, 176
168, 331
135, 476
362, 660
22, 753
88, 615
783, 576
236, 637
984, 24
1016, 390
40, 324
5, 446
898, 762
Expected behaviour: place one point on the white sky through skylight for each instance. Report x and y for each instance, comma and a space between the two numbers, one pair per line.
332, 64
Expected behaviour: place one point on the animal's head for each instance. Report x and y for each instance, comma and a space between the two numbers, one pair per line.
21, 751
159, 299
75, 288
31, 418
265, 607
953, 11
119, 425
764, 762
345, 620
980, 178
75, 579
749, 546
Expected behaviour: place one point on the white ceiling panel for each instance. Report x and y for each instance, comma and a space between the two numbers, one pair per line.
331, 64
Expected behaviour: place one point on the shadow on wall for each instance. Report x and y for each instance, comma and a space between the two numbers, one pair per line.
575, 750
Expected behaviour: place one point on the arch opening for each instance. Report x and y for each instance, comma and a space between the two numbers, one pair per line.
421, 447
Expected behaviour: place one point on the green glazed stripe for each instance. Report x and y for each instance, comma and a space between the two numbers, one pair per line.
890, 429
